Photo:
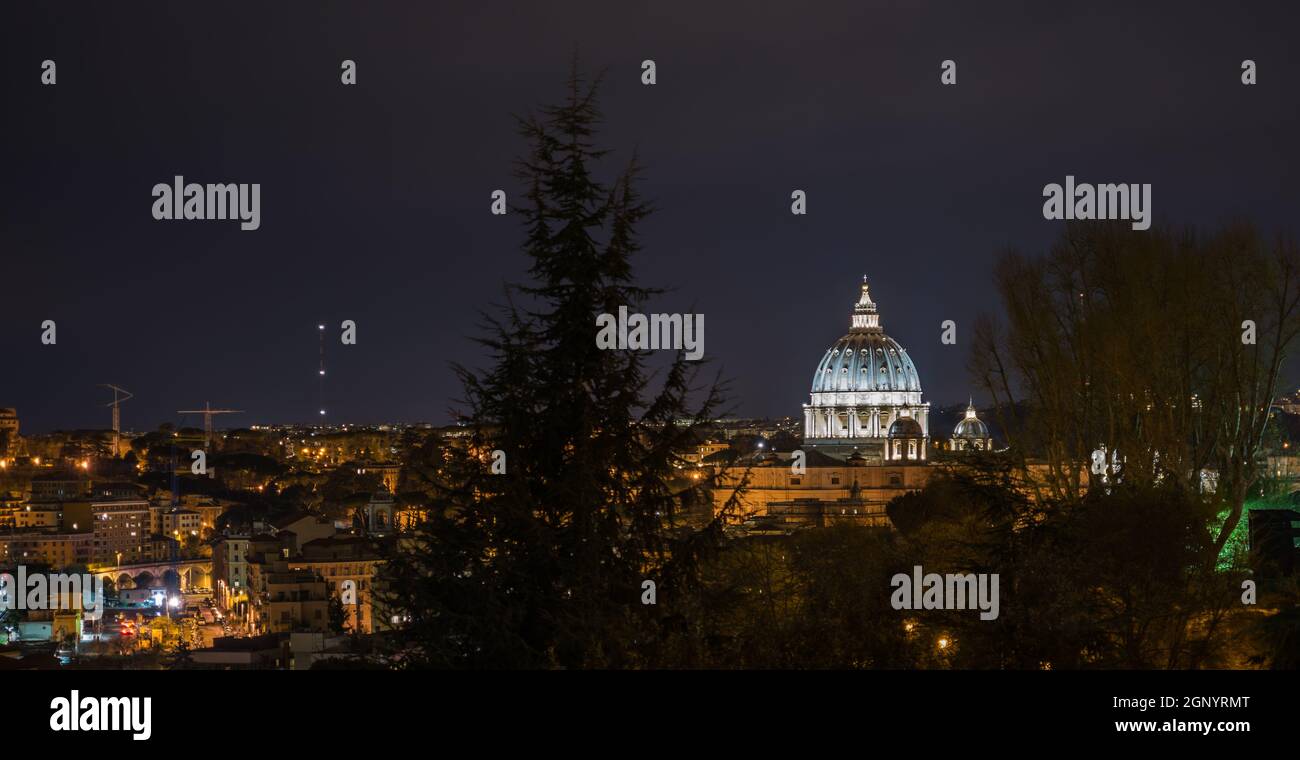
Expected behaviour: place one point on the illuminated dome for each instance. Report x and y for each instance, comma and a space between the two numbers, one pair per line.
971, 433
971, 427
864, 384
866, 361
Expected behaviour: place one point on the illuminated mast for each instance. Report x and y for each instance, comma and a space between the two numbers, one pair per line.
320, 393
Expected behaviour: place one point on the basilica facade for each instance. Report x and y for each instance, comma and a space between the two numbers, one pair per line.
866, 396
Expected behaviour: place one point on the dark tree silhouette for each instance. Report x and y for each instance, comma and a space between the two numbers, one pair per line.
543, 565
1165, 349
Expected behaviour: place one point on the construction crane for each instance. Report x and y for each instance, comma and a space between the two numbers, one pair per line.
207, 411
117, 415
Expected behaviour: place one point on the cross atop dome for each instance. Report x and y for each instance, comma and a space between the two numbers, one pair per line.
865, 316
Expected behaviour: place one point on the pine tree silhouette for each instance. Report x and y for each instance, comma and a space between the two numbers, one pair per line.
543, 565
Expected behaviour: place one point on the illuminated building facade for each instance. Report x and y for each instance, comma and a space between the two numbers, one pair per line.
341, 559
8, 431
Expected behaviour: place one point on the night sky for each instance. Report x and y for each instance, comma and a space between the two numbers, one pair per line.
375, 198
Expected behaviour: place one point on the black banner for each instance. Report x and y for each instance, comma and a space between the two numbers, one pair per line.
329, 709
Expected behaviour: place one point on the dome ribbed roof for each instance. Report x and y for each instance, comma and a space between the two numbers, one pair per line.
971, 429
971, 426
866, 359
866, 362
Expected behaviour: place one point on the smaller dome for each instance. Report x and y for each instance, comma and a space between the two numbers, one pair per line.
905, 427
971, 427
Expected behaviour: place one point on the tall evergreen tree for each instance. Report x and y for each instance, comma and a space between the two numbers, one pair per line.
544, 565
